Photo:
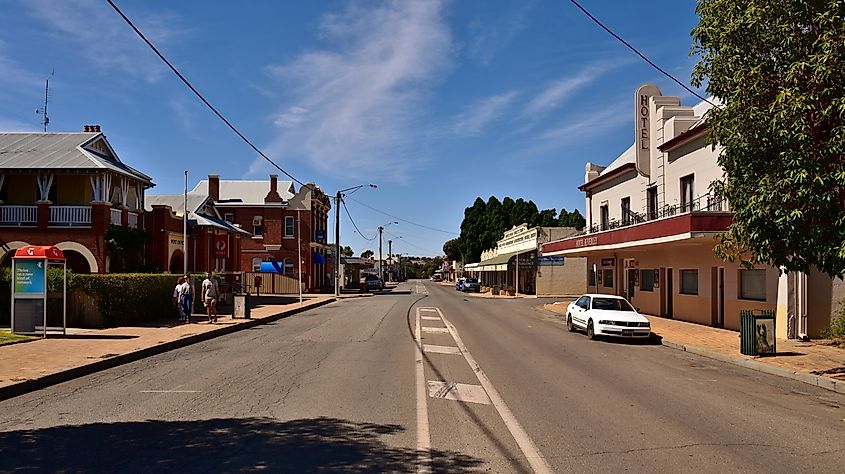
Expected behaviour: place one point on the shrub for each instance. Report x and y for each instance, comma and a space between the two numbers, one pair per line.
837, 325
130, 298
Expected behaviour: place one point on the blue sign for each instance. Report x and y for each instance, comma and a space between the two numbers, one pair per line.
556, 260
319, 235
29, 277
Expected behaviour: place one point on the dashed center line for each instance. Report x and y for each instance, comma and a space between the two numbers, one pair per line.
441, 349
171, 391
430, 318
435, 330
458, 391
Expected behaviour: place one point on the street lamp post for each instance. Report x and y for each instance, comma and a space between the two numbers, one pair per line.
380, 232
337, 200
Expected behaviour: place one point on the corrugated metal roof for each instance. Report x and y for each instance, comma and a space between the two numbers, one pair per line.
59, 151
246, 192
195, 202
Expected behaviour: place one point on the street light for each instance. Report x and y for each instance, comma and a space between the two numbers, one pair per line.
337, 199
380, 232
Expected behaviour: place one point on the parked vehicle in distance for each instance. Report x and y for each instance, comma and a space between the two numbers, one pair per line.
606, 315
436, 277
373, 283
459, 285
471, 284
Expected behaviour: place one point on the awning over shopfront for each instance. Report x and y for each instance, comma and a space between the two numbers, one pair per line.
499, 263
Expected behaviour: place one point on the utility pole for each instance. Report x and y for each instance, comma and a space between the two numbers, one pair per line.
337, 244
380, 232
390, 255
185, 230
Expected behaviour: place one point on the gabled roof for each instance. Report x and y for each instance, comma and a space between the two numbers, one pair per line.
246, 192
196, 202
82, 151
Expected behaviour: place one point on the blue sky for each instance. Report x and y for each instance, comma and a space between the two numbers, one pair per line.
436, 102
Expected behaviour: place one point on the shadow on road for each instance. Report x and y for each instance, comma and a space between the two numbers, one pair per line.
305, 445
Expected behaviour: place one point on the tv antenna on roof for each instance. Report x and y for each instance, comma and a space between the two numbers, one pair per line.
43, 110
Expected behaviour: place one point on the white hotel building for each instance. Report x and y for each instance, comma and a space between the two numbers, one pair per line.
651, 223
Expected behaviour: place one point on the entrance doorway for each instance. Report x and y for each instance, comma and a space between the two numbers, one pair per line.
720, 320
632, 275
669, 292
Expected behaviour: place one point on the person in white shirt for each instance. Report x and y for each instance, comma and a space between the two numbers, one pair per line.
210, 295
176, 301
186, 298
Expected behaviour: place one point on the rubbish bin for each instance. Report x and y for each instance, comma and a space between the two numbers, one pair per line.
757, 332
241, 308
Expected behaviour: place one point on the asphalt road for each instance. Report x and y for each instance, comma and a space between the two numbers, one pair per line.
337, 389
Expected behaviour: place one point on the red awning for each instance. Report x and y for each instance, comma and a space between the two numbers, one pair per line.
39, 252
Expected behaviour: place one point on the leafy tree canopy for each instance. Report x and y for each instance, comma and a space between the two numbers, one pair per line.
367, 253
777, 67
347, 250
485, 222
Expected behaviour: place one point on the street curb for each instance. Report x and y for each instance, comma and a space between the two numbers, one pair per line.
826, 383
21, 388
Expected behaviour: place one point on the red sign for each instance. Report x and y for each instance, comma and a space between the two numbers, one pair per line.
39, 251
221, 246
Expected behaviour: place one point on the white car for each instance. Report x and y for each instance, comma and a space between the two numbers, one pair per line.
606, 315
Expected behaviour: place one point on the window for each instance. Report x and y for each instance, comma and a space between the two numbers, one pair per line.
626, 210
288, 266
651, 202
583, 302
258, 230
607, 279
687, 193
605, 217
646, 280
752, 285
256, 264
288, 226
689, 282
229, 217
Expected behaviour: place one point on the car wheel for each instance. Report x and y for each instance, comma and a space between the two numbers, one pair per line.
569, 326
591, 333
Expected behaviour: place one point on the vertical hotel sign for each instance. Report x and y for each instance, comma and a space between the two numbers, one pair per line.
642, 126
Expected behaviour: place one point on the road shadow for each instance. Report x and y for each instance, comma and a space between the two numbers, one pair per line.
651, 340
305, 445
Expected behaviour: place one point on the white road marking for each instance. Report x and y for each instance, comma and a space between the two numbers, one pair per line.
423, 434
430, 318
535, 458
430, 310
171, 391
435, 330
458, 391
441, 349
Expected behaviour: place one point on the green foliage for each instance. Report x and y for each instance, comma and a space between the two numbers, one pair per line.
777, 67
347, 251
485, 222
837, 325
126, 247
367, 254
452, 249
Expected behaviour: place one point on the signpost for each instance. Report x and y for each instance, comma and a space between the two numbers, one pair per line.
29, 288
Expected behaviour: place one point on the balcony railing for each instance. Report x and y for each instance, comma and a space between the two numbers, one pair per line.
133, 219
705, 203
116, 216
72, 216
20, 216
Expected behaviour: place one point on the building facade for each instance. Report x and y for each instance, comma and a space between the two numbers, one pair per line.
652, 224
67, 190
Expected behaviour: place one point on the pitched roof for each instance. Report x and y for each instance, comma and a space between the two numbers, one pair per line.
62, 151
195, 203
246, 192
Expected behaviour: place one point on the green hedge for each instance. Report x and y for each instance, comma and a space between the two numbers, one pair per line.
122, 298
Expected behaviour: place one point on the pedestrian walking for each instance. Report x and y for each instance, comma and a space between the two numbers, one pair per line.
186, 293
176, 302
210, 295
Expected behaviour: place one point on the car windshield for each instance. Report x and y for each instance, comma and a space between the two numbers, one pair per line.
471, 280
612, 304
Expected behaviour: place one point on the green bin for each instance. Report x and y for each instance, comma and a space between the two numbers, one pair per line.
757, 332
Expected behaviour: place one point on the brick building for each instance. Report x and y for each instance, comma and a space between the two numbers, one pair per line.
66, 189
280, 221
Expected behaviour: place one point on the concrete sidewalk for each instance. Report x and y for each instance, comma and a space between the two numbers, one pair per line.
812, 362
37, 364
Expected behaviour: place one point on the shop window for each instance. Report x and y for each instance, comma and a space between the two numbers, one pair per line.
626, 210
289, 226
607, 278
646, 280
688, 193
651, 202
605, 216
689, 282
752, 285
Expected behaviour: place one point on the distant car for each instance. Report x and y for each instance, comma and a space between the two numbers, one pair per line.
606, 315
459, 285
471, 284
373, 283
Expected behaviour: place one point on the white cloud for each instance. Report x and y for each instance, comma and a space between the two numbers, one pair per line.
355, 108
472, 121
93, 29
557, 92
487, 38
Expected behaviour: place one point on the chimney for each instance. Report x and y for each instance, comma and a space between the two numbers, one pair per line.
91, 128
95, 128
214, 187
86, 128
273, 195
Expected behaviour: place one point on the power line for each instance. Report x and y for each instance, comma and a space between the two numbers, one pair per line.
596, 20
405, 241
354, 224
200, 96
403, 220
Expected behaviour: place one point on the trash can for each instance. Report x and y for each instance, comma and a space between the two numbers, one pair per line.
241, 307
757, 332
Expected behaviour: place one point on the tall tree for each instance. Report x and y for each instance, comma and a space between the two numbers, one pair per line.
347, 250
452, 249
777, 68
367, 253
